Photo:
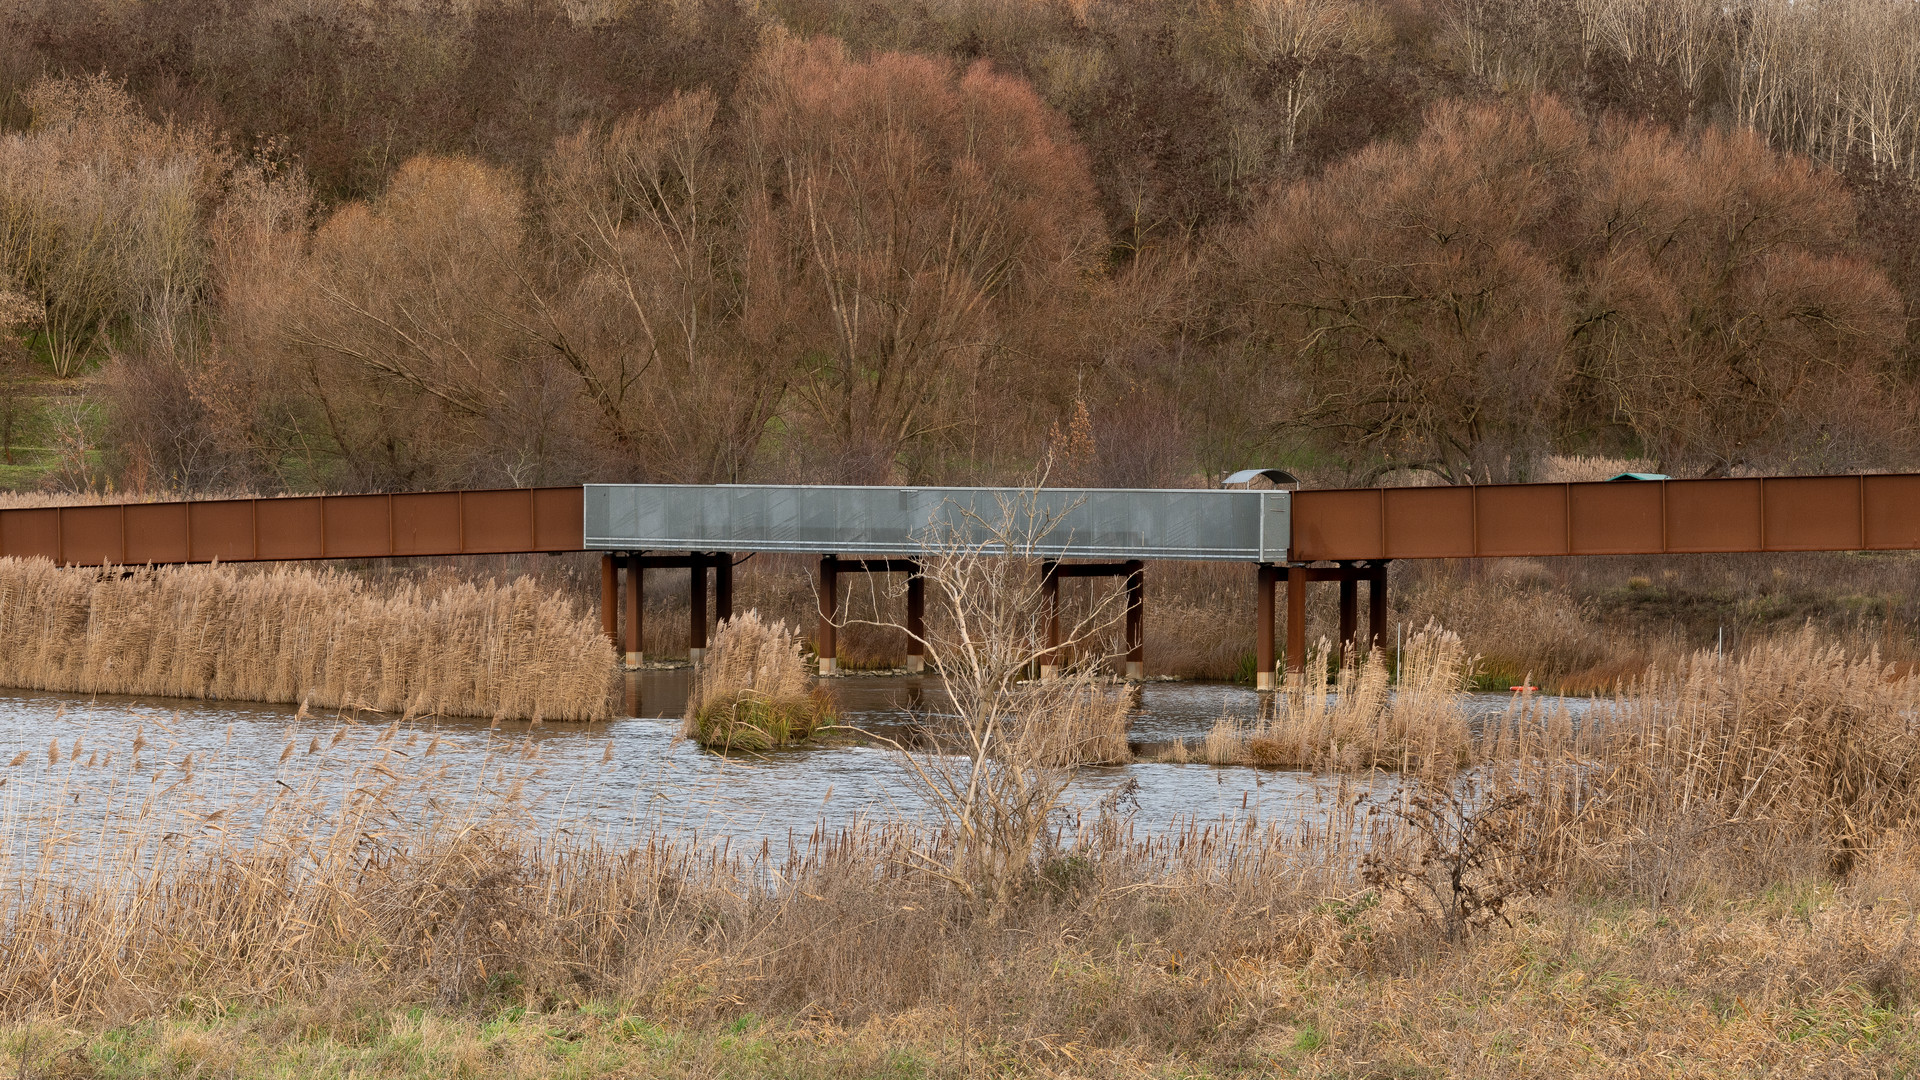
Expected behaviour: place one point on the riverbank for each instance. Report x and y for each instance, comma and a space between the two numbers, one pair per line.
1805, 979
1720, 879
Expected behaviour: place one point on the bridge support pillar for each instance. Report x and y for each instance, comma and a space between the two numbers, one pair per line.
636, 580
610, 600
1136, 619
722, 587
697, 608
1296, 623
916, 623
1377, 604
1349, 610
825, 642
1265, 577
1050, 614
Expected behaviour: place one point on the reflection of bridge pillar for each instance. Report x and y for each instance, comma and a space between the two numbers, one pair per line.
697, 608
825, 643
1296, 622
610, 600
1263, 659
1050, 614
1136, 619
916, 622
636, 582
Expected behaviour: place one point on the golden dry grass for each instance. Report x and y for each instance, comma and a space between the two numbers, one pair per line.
1350, 720
752, 690
297, 635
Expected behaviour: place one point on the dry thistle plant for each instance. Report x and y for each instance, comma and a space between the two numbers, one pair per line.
752, 691
1456, 853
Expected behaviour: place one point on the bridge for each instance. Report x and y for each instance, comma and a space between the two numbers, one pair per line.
1347, 536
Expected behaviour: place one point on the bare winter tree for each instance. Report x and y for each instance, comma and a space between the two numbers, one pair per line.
923, 214
1401, 302
1724, 321
665, 308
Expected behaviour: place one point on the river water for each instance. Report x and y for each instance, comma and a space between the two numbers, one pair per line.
213, 768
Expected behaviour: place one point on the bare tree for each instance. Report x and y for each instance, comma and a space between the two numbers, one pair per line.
663, 307
1723, 321
101, 219
1006, 744
1402, 302
407, 331
923, 214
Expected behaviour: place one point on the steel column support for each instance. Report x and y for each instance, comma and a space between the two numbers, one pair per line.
610, 600
1136, 619
1377, 604
1050, 612
636, 582
824, 642
1263, 659
916, 623
722, 587
697, 608
1349, 610
1296, 622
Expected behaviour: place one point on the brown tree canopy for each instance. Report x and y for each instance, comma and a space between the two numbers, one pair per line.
1404, 305
928, 221
1515, 279
1724, 321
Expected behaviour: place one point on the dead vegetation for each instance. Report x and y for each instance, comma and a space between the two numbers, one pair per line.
293, 635
1350, 720
752, 690
1720, 875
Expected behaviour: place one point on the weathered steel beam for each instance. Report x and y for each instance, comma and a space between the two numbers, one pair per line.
405, 524
1650, 517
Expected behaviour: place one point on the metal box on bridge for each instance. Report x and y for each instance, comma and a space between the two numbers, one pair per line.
1247, 526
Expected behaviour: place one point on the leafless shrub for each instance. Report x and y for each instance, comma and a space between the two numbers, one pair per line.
1459, 853
1006, 751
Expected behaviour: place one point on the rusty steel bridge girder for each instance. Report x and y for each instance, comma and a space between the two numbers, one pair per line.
496, 522
1359, 529
1647, 517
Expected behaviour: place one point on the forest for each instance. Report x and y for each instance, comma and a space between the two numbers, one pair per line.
267, 246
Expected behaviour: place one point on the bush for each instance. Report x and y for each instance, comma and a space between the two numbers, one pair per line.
753, 691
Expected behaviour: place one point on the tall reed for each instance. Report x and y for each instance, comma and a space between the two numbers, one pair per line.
1349, 719
752, 690
294, 635
1791, 745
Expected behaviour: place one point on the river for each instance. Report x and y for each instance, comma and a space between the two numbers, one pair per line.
218, 769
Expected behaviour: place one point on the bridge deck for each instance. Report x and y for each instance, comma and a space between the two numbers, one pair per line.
1811, 513
1282, 532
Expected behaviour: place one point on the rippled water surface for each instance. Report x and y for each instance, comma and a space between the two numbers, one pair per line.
217, 766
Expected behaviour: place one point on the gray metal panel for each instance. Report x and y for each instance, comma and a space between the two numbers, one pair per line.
1078, 522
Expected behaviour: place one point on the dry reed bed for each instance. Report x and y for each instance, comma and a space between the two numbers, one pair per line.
1349, 720
362, 879
294, 635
